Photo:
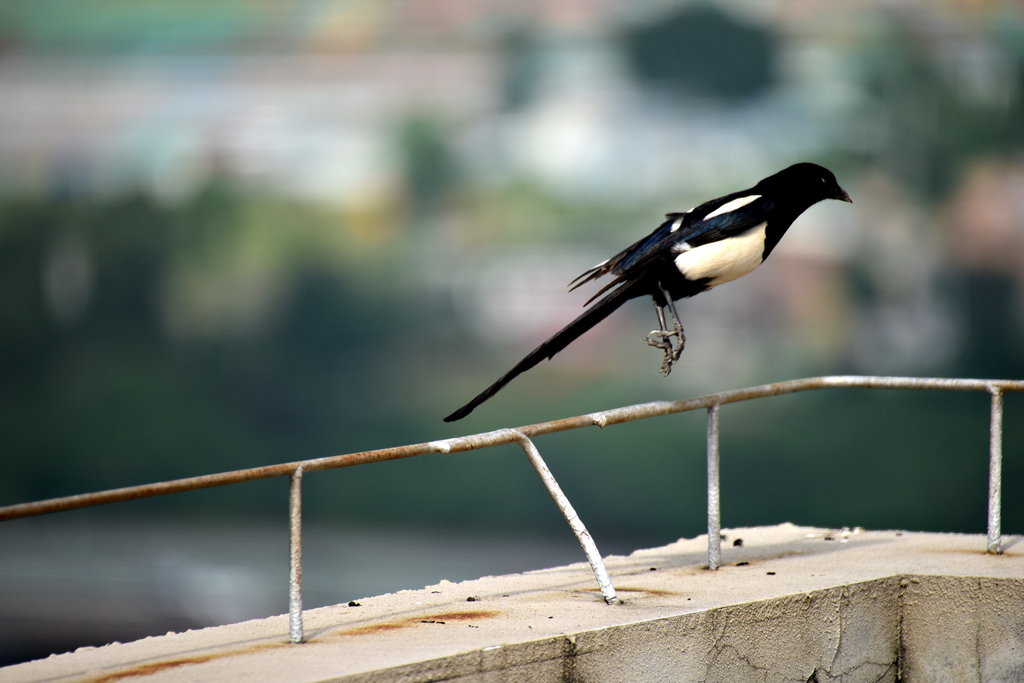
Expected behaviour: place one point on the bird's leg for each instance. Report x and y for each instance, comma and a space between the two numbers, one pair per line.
672, 352
678, 333
662, 343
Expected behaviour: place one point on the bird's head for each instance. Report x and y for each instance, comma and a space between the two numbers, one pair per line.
804, 183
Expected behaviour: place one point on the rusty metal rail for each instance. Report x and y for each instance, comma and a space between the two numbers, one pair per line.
521, 436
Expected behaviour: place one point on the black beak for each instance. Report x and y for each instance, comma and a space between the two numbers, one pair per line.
841, 196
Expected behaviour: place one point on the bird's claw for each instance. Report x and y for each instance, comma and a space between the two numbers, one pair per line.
672, 351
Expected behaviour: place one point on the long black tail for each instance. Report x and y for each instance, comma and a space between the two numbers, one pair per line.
592, 316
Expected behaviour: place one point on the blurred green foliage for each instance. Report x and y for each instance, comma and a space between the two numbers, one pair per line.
116, 27
705, 51
352, 359
935, 120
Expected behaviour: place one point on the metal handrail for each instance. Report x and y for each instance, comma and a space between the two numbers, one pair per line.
521, 436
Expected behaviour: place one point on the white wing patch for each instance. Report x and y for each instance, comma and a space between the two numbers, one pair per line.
732, 206
676, 224
724, 260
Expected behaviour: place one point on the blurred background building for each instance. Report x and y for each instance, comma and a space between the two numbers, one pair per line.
235, 233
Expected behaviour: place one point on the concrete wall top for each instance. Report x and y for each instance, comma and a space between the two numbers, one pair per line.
789, 603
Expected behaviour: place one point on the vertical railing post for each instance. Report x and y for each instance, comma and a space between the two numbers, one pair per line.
995, 471
295, 634
714, 494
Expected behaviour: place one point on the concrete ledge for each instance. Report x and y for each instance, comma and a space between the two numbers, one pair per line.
789, 604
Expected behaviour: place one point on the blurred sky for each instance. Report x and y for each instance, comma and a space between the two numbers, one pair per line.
238, 233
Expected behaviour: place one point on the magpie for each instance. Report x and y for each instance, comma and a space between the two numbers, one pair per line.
691, 252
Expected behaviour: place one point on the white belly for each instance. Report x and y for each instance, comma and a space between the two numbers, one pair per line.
724, 260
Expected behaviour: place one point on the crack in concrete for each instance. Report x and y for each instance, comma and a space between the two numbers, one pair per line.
839, 641
745, 660
901, 645
885, 673
719, 647
977, 633
886, 667
570, 652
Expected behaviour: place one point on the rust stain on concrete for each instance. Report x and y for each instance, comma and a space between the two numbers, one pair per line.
156, 667
408, 622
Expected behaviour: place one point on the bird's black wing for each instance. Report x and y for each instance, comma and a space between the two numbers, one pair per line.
727, 224
693, 233
625, 258
680, 225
